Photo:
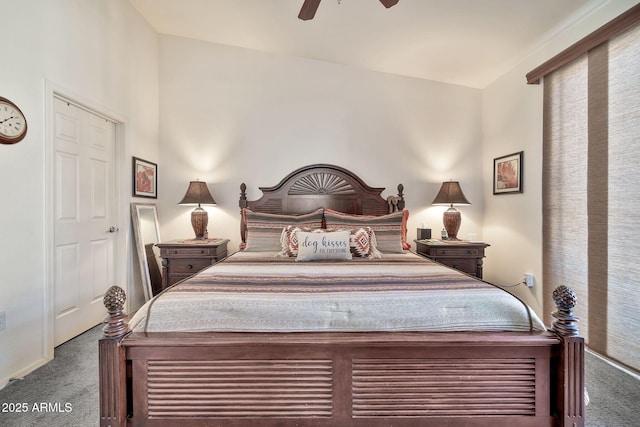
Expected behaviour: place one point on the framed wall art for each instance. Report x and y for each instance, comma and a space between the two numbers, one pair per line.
145, 179
507, 173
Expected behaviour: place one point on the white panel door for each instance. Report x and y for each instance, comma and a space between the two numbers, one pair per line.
85, 201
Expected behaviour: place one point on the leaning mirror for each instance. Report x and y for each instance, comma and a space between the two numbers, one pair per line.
146, 232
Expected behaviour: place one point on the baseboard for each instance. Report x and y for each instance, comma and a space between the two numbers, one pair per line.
17, 376
614, 364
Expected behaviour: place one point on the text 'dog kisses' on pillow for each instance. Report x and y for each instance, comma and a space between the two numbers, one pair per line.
323, 246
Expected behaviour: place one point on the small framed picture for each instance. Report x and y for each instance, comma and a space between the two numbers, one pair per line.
507, 174
145, 179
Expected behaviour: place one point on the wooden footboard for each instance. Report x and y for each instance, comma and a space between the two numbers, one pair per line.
341, 379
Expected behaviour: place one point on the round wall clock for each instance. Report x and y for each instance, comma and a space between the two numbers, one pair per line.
13, 124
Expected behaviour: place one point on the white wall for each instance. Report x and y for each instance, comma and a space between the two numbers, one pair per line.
104, 53
512, 121
231, 115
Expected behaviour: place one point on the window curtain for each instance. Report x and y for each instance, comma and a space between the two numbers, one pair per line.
591, 193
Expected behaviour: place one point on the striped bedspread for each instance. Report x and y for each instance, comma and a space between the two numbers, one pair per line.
259, 292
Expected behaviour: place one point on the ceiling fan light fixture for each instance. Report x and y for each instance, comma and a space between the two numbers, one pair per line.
308, 10
388, 3
310, 7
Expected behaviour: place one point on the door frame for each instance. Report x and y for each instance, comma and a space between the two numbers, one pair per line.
53, 91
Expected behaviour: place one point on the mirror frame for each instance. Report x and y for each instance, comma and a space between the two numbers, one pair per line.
139, 242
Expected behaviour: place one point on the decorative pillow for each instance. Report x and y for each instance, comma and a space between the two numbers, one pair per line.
264, 230
405, 219
289, 239
362, 242
388, 228
323, 246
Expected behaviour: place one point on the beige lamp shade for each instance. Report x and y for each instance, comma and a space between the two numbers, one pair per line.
197, 194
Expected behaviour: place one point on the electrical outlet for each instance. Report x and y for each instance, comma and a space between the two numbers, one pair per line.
529, 280
3, 320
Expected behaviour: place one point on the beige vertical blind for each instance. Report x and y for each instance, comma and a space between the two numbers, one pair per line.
591, 185
623, 297
564, 219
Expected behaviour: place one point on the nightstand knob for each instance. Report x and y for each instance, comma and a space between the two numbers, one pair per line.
190, 266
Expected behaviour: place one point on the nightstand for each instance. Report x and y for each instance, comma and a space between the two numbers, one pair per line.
461, 255
183, 258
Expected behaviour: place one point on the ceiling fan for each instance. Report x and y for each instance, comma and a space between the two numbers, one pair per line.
309, 8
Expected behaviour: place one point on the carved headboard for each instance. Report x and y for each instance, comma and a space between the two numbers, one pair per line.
320, 186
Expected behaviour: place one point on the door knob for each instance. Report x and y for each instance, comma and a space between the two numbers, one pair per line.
113, 229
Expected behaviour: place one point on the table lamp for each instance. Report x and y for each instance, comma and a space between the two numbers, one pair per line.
198, 194
450, 193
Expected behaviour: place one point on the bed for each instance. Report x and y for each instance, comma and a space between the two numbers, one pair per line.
380, 338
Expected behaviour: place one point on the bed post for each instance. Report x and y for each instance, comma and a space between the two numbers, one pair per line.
242, 203
570, 389
111, 358
400, 197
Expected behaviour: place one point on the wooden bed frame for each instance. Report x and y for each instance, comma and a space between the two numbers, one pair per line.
367, 379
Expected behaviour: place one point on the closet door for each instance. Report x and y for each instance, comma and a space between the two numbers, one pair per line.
85, 218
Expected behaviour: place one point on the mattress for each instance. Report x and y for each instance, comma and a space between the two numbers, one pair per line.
261, 292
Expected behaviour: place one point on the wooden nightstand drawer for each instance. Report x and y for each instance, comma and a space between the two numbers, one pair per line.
190, 266
449, 252
189, 252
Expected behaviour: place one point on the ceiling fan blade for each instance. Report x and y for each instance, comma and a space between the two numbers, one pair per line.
389, 3
308, 10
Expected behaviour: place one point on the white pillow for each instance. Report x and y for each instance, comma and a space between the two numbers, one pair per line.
323, 246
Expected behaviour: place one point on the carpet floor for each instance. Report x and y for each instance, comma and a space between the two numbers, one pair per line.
64, 393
